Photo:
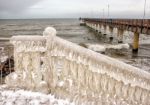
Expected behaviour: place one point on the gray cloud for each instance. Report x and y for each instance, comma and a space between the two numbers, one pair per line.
16, 5
72, 8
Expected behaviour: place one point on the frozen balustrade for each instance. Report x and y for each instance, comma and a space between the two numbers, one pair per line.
53, 65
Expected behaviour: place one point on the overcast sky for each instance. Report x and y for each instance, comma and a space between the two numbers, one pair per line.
72, 8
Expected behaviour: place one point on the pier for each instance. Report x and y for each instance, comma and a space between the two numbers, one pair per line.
137, 26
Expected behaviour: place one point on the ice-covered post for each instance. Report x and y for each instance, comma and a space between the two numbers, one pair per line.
27, 57
28, 53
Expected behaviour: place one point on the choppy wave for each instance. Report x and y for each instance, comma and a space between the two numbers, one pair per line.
70, 29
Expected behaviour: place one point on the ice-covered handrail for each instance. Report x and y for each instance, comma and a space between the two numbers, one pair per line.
51, 64
27, 38
29, 43
117, 69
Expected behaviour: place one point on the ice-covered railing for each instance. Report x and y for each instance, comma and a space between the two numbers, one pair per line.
53, 65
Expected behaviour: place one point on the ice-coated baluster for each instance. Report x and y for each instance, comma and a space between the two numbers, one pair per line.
65, 69
71, 66
82, 76
125, 89
70, 55
78, 77
55, 77
90, 81
131, 96
111, 86
118, 89
104, 83
138, 93
50, 70
145, 97
26, 61
79, 59
96, 82
74, 70
86, 78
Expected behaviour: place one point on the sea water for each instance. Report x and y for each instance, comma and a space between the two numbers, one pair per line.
70, 30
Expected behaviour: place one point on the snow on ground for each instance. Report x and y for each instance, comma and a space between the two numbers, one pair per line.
11, 96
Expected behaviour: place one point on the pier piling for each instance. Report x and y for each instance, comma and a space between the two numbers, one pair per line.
120, 35
111, 33
135, 42
122, 25
105, 29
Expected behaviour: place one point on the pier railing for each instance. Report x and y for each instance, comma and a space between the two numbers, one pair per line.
53, 65
128, 22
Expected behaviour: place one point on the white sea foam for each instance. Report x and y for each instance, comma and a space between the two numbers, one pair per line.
102, 48
96, 47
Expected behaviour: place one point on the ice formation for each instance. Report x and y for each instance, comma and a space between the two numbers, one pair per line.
49, 31
3, 57
69, 71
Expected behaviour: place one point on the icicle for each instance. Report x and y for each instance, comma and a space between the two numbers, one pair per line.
145, 97
138, 93
125, 91
118, 89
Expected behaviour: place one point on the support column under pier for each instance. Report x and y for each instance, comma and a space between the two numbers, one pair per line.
105, 29
101, 29
98, 28
111, 33
120, 35
135, 45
